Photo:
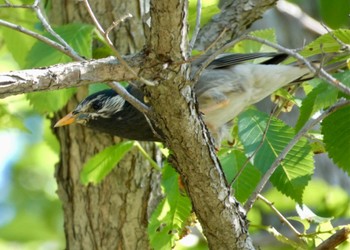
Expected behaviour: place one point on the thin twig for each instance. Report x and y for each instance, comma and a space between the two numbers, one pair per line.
69, 51
116, 23
198, 25
335, 240
16, 6
310, 124
48, 28
344, 45
319, 72
62, 46
216, 40
39, 37
111, 46
282, 218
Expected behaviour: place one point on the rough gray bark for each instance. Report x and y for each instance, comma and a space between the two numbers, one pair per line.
223, 220
113, 214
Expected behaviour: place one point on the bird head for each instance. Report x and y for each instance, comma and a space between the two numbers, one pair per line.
98, 106
108, 112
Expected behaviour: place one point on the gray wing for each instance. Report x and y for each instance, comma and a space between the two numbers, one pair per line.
226, 60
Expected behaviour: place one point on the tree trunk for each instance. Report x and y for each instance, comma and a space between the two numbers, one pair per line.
113, 214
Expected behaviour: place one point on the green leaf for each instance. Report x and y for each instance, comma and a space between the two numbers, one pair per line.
293, 174
16, 42
78, 36
248, 46
335, 13
209, 9
50, 101
168, 221
319, 98
9, 120
304, 222
232, 162
326, 43
93, 88
336, 131
102, 163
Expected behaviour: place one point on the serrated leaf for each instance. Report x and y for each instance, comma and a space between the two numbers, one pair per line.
326, 43
232, 162
293, 174
78, 36
50, 101
336, 131
171, 215
248, 46
101, 164
319, 98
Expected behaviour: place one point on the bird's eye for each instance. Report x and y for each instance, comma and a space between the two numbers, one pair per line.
96, 106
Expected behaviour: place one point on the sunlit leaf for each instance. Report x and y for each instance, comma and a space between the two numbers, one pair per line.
245, 184
78, 36
9, 120
293, 174
304, 222
168, 221
101, 164
327, 43
248, 46
50, 101
319, 98
209, 9
17, 43
336, 131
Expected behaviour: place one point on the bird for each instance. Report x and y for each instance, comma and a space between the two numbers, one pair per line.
226, 87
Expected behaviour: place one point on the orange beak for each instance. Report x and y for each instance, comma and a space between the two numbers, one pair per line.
68, 119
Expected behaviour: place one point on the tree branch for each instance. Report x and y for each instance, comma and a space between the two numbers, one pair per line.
335, 240
67, 75
234, 19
